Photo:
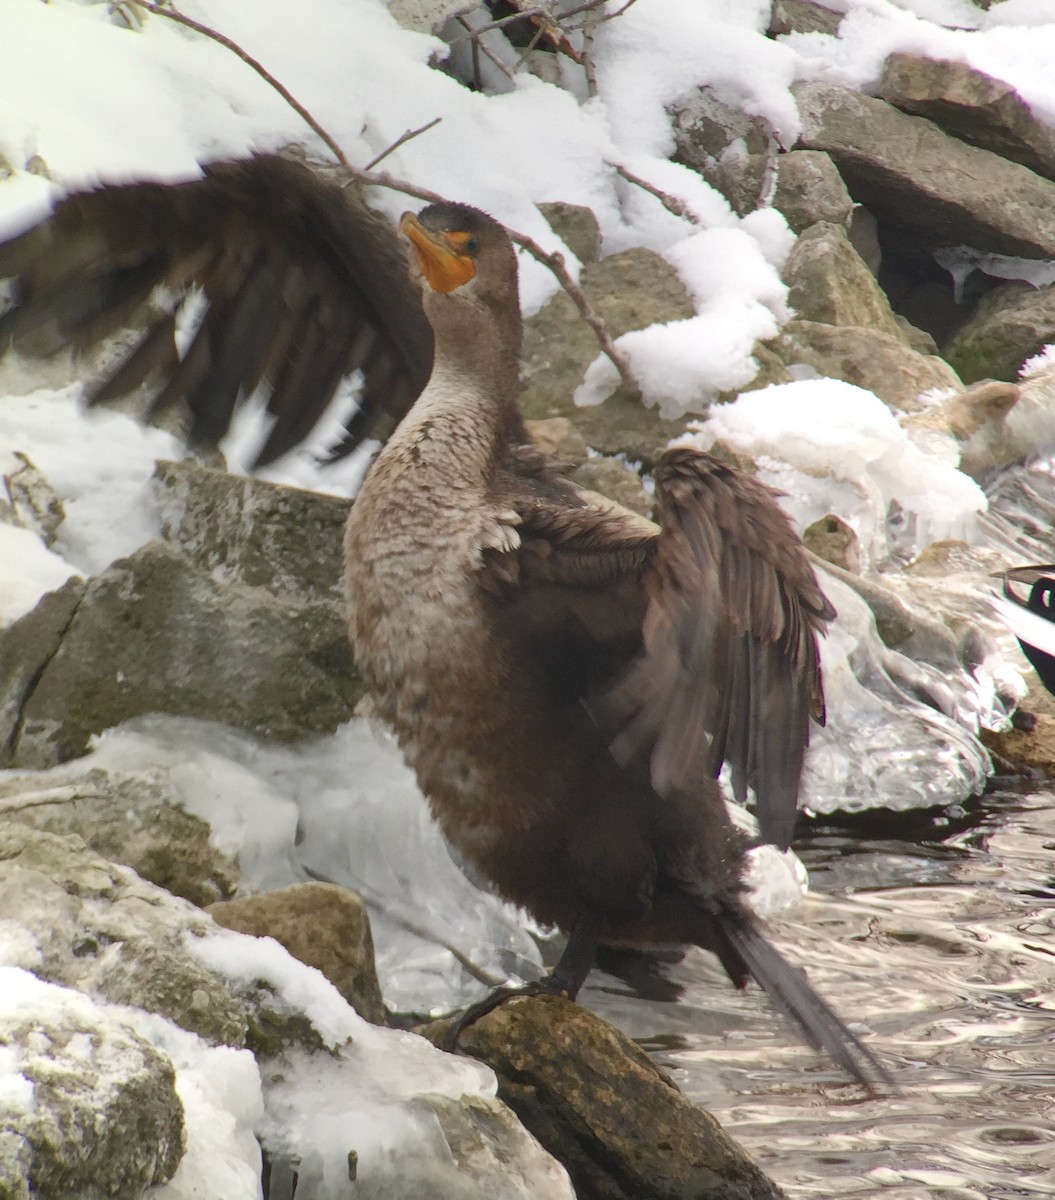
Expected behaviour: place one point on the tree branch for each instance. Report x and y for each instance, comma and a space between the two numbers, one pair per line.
173, 14
368, 178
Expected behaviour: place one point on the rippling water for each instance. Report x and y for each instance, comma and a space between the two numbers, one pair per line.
936, 941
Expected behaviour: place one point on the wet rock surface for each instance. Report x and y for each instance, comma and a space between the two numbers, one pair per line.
581, 1087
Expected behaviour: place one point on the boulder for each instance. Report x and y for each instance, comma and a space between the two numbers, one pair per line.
878, 361
828, 281
802, 16
630, 290
599, 1104
576, 226
155, 633
260, 534
810, 189
1010, 324
971, 105
90, 1106
911, 173
128, 819
734, 151
321, 924
86, 923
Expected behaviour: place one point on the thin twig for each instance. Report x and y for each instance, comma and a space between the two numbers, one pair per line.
406, 137
368, 178
671, 203
485, 50
555, 262
167, 10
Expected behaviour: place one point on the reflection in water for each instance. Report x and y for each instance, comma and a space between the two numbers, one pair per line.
942, 948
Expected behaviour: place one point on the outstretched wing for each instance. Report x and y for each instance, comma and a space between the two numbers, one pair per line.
302, 284
703, 633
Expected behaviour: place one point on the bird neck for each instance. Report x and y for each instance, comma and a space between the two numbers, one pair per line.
468, 414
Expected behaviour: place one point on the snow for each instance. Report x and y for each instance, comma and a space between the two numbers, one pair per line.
827, 431
92, 101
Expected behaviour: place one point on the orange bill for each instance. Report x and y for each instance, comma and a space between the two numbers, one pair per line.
441, 256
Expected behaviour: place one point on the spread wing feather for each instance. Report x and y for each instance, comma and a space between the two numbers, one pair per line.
302, 285
709, 624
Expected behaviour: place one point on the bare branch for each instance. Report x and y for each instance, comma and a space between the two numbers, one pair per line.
478, 49
368, 178
671, 203
406, 137
168, 10
555, 262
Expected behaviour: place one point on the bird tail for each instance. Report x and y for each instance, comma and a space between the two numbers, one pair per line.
790, 993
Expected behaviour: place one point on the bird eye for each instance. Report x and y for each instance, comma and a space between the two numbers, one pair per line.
472, 245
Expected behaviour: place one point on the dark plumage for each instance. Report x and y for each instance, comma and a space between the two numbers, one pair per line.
565, 677
303, 285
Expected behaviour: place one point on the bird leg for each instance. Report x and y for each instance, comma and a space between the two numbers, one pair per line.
566, 978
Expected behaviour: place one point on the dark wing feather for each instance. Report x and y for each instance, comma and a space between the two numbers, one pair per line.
303, 285
704, 632
730, 666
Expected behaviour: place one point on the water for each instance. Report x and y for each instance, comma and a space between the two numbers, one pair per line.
935, 939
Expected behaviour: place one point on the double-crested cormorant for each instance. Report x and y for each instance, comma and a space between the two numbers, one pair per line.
565, 678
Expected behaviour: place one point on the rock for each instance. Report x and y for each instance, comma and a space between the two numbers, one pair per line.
630, 290
261, 534
576, 226
75, 919
321, 924
829, 282
617, 481
34, 503
975, 420
558, 436
810, 189
26, 648
802, 16
128, 820
599, 1104
835, 542
1010, 324
911, 173
731, 149
154, 634
972, 105
90, 1107
866, 357
489, 1144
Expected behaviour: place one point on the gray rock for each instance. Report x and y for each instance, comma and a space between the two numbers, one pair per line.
154, 634
261, 534
576, 226
810, 189
911, 173
866, 357
26, 648
129, 820
972, 105
321, 924
828, 281
802, 16
733, 151
630, 290
599, 1104
835, 542
86, 923
1009, 324
105, 1119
